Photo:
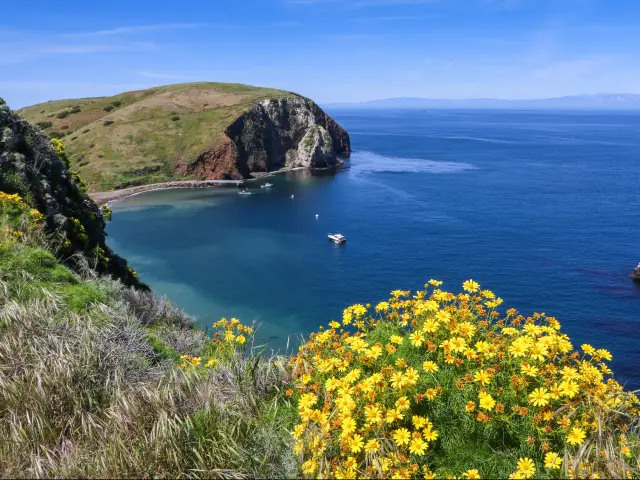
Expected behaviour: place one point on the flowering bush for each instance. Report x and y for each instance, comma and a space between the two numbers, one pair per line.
229, 339
443, 384
16, 216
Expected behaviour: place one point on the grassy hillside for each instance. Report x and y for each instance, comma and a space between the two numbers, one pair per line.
144, 136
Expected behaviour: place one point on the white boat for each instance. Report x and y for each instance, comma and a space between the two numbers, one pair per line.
266, 185
337, 238
244, 192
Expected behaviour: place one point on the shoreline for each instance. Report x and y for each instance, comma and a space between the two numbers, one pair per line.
102, 198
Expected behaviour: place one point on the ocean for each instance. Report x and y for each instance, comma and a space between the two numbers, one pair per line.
541, 207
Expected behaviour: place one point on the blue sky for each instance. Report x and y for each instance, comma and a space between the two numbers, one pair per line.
329, 50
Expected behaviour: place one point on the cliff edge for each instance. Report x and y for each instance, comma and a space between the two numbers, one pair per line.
190, 131
272, 135
38, 172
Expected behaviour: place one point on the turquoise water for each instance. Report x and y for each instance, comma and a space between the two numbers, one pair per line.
542, 208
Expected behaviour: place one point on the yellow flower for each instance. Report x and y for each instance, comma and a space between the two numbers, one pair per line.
588, 349
482, 376
416, 339
430, 366
417, 446
402, 404
569, 389
430, 435
411, 376
401, 436
307, 400
529, 370
552, 460
526, 467
397, 339
334, 324
418, 421
356, 443
470, 286
393, 415
241, 339
472, 474
576, 436
372, 446
373, 414
605, 354
382, 307
397, 380
486, 401
309, 467
539, 397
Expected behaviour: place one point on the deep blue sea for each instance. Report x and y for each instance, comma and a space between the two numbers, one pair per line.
543, 208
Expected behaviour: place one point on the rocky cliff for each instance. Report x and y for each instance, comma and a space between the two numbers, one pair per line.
31, 167
189, 131
272, 135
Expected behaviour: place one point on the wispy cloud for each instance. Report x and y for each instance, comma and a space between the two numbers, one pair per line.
132, 30
16, 52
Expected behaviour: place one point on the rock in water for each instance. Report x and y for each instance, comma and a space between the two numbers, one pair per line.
276, 134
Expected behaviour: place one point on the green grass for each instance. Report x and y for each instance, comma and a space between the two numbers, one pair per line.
143, 133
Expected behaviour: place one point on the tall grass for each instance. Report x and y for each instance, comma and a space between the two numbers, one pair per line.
87, 389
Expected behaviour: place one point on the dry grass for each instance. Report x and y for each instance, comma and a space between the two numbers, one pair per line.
86, 394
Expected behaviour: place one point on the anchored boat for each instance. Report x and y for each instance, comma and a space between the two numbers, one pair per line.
266, 185
337, 238
244, 192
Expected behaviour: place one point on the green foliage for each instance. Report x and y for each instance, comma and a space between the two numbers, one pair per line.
63, 114
44, 125
106, 212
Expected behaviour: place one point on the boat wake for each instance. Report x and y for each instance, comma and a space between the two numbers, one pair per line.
369, 162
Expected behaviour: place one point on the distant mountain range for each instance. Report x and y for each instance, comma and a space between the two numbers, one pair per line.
600, 101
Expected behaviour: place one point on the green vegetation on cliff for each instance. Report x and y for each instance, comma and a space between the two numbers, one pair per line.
145, 136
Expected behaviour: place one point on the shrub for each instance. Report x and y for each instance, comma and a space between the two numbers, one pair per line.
44, 125
53, 135
63, 114
175, 118
106, 123
76, 109
444, 384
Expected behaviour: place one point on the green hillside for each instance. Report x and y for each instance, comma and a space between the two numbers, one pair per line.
144, 136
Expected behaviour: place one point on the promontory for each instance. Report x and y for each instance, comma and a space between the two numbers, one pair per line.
190, 131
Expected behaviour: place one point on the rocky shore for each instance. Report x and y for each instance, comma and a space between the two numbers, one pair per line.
106, 197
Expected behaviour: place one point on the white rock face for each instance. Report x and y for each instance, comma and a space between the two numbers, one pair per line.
286, 133
315, 150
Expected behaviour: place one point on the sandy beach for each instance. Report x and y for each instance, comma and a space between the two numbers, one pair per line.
115, 195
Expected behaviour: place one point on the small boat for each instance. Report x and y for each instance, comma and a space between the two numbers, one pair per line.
292, 196
266, 185
337, 238
636, 274
244, 192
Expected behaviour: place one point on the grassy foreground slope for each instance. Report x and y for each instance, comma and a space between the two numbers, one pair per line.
144, 136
